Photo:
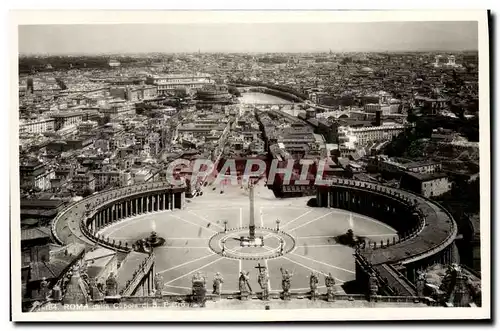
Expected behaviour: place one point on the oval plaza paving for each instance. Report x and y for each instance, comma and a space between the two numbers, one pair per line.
404, 233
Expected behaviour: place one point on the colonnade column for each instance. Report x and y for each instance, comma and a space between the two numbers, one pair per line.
164, 196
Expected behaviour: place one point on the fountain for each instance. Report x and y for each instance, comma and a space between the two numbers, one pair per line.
153, 240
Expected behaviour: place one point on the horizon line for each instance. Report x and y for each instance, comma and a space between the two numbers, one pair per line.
246, 52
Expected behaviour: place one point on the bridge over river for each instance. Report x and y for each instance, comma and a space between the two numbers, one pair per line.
264, 100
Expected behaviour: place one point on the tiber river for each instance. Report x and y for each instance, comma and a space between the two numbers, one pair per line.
257, 97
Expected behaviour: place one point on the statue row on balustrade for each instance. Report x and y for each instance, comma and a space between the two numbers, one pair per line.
245, 289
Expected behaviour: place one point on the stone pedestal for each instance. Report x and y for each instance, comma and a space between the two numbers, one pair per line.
330, 296
56, 293
244, 295
112, 298
265, 295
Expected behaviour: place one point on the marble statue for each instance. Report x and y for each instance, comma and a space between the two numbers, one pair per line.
313, 285
286, 283
243, 282
94, 291
217, 285
111, 285
457, 288
420, 283
158, 281
199, 278
330, 287
44, 290
264, 283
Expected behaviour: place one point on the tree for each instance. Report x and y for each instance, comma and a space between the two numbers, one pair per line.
234, 91
88, 191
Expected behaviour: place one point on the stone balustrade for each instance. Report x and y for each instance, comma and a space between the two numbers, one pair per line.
179, 301
138, 276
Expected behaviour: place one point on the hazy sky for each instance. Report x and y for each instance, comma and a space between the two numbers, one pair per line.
264, 37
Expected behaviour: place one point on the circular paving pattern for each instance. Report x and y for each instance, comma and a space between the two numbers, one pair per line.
194, 242
268, 244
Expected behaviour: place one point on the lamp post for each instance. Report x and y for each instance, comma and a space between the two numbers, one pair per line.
277, 225
225, 226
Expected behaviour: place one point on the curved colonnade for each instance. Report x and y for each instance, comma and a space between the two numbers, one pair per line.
426, 231
85, 218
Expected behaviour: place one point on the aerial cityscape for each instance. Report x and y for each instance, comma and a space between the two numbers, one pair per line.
225, 175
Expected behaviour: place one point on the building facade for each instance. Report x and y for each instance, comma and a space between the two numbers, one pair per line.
36, 126
169, 83
365, 135
83, 183
118, 108
36, 175
426, 184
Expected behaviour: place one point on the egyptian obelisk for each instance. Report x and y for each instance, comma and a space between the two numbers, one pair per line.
252, 220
